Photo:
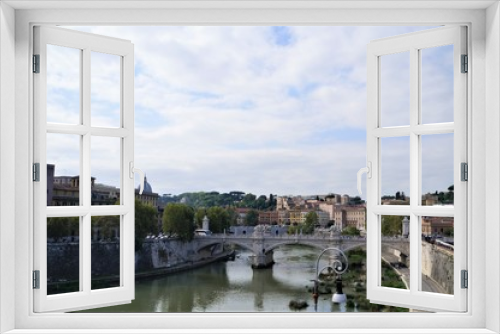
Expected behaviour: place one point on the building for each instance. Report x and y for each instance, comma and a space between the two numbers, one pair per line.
430, 199
344, 200
350, 215
147, 196
268, 217
242, 215
437, 226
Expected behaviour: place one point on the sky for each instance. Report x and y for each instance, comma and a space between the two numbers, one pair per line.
257, 109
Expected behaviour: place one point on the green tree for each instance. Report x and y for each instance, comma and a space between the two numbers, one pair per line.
59, 227
179, 219
252, 218
233, 216
106, 225
392, 225
145, 222
198, 216
219, 219
350, 230
312, 220
261, 202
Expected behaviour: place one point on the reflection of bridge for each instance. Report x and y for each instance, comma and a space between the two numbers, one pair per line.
262, 244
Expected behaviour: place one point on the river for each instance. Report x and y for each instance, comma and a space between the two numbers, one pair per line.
234, 286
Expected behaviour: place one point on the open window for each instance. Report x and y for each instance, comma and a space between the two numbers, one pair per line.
78, 139
416, 123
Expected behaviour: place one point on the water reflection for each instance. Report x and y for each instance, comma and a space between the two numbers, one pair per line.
233, 287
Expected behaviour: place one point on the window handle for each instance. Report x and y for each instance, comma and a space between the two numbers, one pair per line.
368, 171
141, 176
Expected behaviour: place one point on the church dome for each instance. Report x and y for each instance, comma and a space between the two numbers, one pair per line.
147, 186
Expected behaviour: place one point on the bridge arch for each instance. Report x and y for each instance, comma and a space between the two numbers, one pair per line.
294, 242
230, 242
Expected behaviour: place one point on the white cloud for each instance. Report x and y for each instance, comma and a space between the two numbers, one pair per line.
226, 108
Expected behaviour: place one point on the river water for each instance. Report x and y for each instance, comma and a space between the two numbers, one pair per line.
234, 286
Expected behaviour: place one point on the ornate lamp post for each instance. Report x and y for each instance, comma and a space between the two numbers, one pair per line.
339, 267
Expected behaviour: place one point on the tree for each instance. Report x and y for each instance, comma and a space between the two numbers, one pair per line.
106, 226
392, 225
145, 222
350, 230
403, 196
312, 220
198, 216
252, 218
178, 219
398, 195
233, 216
261, 202
219, 219
63, 227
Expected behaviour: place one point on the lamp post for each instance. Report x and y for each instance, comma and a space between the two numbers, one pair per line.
339, 268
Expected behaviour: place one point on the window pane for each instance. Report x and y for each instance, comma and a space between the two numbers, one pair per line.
437, 169
63, 255
105, 89
395, 89
437, 84
395, 252
63, 169
437, 254
63, 84
395, 170
105, 170
105, 252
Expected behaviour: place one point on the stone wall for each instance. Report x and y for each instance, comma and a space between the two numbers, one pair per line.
63, 257
63, 261
438, 265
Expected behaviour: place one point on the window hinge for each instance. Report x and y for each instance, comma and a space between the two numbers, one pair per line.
36, 63
36, 279
36, 172
464, 168
465, 64
465, 279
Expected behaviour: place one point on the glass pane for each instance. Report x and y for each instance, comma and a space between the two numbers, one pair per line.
395, 252
437, 254
395, 89
437, 169
105, 89
63, 169
105, 255
63, 255
437, 84
105, 170
395, 170
63, 85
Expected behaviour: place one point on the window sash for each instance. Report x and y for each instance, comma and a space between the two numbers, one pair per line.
413, 298
85, 297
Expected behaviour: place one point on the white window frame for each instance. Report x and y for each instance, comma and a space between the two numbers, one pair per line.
413, 44
85, 297
483, 20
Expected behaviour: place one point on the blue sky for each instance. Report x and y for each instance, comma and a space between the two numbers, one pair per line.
257, 109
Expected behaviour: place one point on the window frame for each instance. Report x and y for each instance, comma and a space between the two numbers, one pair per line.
86, 44
483, 52
414, 44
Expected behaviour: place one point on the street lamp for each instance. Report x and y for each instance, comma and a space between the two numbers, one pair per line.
339, 267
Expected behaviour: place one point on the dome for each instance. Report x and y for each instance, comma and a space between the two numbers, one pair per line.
147, 186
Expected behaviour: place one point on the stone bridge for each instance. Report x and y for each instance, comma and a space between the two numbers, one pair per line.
262, 244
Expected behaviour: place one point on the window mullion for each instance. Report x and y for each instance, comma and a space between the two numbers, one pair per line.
415, 169
85, 178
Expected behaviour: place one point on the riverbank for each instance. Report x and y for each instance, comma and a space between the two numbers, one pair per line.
225, 256
110, 281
